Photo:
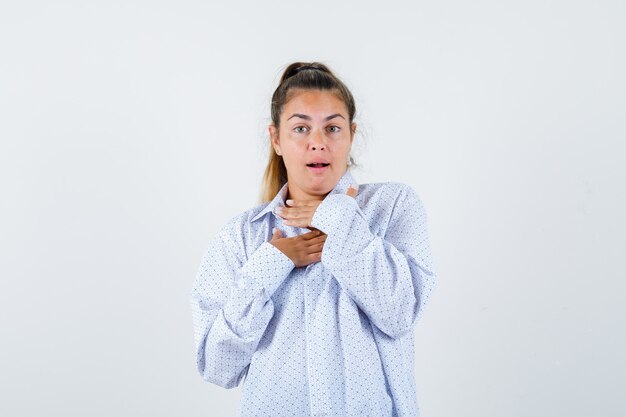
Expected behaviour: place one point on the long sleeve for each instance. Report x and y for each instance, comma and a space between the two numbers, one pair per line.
231, 303
390, 277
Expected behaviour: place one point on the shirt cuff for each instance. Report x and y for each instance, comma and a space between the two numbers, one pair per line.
333, 211
266, 269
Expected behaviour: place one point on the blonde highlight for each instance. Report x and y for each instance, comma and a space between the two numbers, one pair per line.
275, 176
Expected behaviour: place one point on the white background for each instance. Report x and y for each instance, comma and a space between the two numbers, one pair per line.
132, 130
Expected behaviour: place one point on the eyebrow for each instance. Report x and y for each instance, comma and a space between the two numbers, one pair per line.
305, 117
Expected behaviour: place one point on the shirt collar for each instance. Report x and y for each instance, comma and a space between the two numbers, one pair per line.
279, 200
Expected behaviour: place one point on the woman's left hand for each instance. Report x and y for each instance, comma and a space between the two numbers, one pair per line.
299, 213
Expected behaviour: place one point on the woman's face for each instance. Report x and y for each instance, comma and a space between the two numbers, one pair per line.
314, 139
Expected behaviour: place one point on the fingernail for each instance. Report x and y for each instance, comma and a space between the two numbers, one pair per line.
290, 202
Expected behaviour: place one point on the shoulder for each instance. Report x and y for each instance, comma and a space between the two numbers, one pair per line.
390, 194
248, 215
390, 204
238, 236
242, 221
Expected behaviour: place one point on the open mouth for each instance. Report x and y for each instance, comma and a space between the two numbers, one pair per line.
317, 165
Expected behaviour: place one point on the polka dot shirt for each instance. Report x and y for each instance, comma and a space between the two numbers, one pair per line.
334, 338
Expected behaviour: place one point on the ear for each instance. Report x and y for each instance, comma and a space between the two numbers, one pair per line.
352, 131
273, 131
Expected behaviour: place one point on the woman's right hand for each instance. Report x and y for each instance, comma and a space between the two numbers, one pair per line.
304, 249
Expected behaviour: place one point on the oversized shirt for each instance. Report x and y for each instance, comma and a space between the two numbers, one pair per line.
334, 338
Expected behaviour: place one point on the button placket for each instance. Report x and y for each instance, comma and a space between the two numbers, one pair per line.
307, 337
318, 384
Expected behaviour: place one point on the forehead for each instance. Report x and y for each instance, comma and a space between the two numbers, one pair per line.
314, 102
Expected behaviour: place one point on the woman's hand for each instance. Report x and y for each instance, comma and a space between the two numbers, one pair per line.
299, 213
304, 249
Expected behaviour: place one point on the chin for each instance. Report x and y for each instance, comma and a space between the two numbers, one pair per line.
322, 187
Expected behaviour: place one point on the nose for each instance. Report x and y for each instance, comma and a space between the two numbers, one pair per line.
317, 142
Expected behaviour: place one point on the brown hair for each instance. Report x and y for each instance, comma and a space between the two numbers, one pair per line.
302, 76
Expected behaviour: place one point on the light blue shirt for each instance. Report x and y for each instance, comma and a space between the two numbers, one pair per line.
334, 338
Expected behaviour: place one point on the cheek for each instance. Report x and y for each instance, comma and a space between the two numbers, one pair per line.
292, 155
292, 147
342, 148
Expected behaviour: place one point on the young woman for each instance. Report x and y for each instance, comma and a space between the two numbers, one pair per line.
311, 298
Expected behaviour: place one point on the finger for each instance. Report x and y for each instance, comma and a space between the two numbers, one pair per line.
353, 190
316, 240
311, 234
314, 257
298, 203
276, 234
286, 213
303, 203
316, 247
295, 212
296, 223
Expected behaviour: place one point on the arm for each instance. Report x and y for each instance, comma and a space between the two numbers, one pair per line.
231, 304
390, 278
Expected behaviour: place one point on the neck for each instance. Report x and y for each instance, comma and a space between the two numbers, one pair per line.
300, 196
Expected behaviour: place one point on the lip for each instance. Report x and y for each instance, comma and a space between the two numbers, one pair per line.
318, 161
318, 170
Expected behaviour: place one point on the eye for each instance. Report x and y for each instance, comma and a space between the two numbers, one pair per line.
300, 129
334, 129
